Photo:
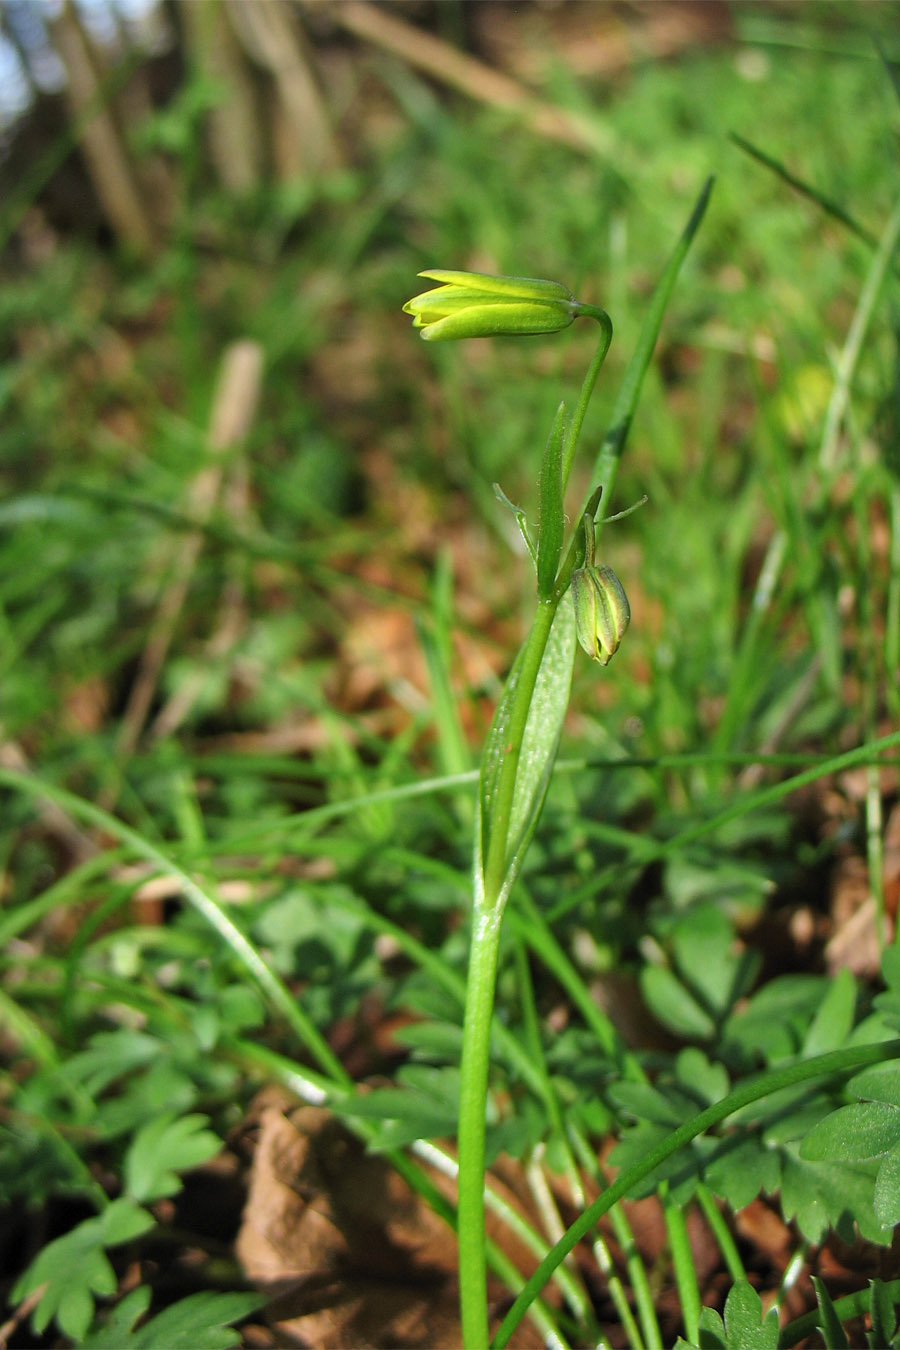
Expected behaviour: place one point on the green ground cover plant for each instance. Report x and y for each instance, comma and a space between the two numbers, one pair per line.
248, 884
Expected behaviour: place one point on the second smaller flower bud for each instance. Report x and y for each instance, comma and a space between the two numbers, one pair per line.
602, 611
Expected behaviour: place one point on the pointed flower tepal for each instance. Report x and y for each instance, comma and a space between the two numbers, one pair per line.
471, 304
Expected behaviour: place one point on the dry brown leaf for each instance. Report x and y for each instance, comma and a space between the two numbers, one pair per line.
892, 862
856, 945
351, 1256
347, 1253
593, 40
763, 1227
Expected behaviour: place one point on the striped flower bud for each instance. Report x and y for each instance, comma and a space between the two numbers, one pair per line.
470, 304
602, 612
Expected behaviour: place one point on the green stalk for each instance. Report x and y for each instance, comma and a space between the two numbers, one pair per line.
573, 431
486, 919
472, 1098
498, 855
685, 1270
721, 1232
493, 881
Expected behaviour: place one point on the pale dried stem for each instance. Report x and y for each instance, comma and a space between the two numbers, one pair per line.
467, 74
101, 140
58, 824
304, 139
231, 624
234, 406
233, 125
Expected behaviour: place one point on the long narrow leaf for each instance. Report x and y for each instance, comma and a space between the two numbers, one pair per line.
610, 453
805, 189
538, 748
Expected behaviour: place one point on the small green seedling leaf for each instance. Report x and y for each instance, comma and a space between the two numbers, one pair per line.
75, 1267
854, 1133
887, 1189
673, 1005
118, 1327
703, 948
741, 1169
820, 1196
711, 1330
833, 1022
745, 1326
199, 1322
707, 1081
163, 1148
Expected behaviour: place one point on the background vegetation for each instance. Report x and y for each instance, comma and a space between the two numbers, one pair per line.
257, 601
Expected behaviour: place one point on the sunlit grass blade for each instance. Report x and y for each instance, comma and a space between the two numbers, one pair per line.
610, 453
805, 189
206, 905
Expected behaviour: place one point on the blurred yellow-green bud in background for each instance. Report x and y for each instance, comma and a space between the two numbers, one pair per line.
602, 611
471, 304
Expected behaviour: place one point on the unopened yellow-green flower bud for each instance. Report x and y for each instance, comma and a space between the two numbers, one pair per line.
471, 304
602, 611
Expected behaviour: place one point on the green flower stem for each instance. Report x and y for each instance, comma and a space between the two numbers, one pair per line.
487, 914
685, 1270
472, 1098
490, 892
573, 431
720, 1231
486, 919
